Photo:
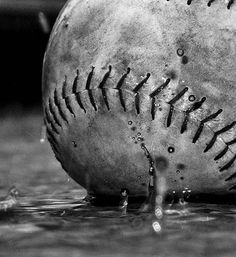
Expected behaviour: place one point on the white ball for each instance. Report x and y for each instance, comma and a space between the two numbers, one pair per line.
131, 84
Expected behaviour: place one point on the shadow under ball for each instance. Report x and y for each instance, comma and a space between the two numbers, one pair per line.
125, 78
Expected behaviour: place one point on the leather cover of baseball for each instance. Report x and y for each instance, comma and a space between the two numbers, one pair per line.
129, 83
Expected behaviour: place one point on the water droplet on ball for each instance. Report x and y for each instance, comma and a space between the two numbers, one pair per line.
74, 143
180, 52
191, 98
184, 59
171, 149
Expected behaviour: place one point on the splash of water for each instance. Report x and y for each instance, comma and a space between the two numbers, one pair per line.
9, 202
124, 194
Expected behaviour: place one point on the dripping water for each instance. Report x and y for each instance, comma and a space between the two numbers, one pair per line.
156, 192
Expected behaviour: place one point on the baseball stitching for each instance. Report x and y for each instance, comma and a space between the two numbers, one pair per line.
55, 115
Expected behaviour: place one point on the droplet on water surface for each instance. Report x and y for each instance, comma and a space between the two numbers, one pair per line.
156, 226
182, 202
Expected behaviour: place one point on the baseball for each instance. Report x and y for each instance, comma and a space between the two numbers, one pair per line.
132, 84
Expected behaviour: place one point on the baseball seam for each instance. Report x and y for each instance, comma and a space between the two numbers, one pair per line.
229, 4
53, 110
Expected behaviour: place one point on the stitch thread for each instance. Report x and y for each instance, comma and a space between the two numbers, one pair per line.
228, 165
101, 86
224, 151
137, 103
172, 102
66, 97
118, 87
79, 101
53, 144
52, 137
153, 107
51, 115
200, 128
88, 82
194, 107
121, 81
189, 2
50, 122
75, 83
210, 2
90, 93
105, 98
64, 86
141, 84
213, 140
122, 101
58, 105
230, 3
106, 76
159, 89
68, 105
54, 114
232, 188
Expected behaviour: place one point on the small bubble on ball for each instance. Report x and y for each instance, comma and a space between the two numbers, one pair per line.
191, 98
180, 52
171, 149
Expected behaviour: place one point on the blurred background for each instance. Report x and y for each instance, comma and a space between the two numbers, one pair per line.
25, 26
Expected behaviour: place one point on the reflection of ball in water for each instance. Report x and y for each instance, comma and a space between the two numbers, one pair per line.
159, 213
110, 66
137, 223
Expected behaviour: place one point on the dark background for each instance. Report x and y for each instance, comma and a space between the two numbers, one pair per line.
25, 26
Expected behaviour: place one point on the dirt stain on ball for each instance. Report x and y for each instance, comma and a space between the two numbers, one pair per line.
180, 166
161, 163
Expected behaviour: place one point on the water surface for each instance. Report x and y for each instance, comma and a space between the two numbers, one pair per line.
52, 219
